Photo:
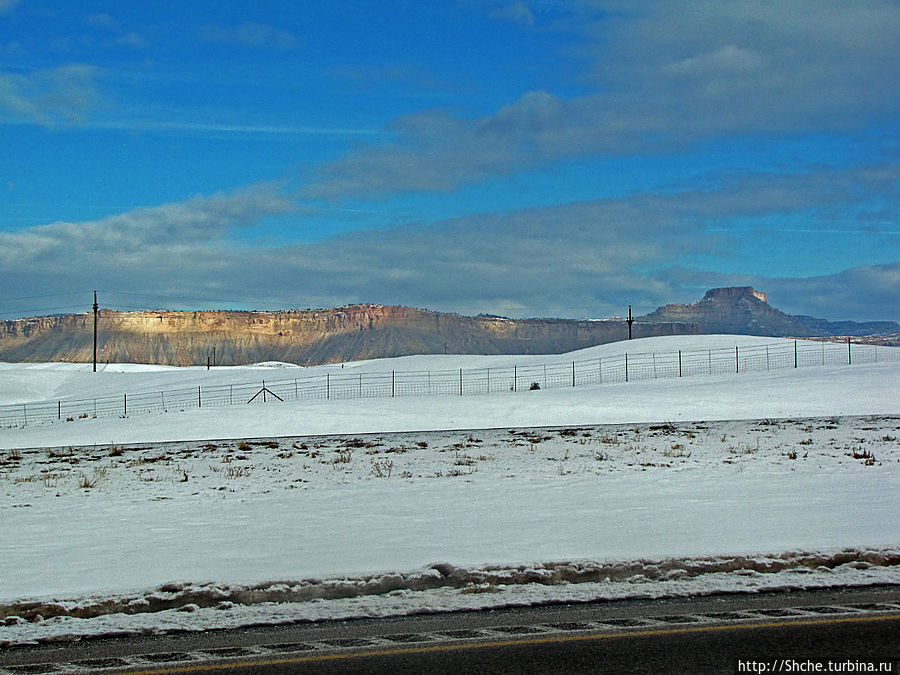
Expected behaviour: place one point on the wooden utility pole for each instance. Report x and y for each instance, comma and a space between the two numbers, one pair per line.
630, 321
96, 307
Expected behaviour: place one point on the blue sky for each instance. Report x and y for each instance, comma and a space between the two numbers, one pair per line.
541, 158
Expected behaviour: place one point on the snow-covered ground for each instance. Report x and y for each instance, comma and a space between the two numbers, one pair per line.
372, 507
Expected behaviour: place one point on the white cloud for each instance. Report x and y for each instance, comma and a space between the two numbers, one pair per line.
517, 12
8, 5
103, 20
58, 95
124, 239
249, 34
737, 68
579, 259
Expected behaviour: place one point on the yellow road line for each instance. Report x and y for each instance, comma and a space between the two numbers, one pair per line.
506, 643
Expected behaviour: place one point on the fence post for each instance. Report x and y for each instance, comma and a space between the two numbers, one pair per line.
679, 363
795, 353
489, 380
626, 366
600, 368
59, 410
849, 355
162, 399
573, 373
392, 384
126, 403
710, 363
199, 397
460, 382
296, 391
515, 378
327, 385
737, 367
360, 385
654, 365
767, 357
24, 415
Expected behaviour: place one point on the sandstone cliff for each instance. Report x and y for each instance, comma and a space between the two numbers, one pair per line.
311, 337
307, 337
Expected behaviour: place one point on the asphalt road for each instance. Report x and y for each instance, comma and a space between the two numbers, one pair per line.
823, 631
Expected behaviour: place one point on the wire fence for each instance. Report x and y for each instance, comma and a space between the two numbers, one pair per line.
459, 382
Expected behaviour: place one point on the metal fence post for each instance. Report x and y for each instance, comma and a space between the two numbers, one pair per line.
392, 384
573, 373
460, 382
59, 410
327, 385
737, 367
679, 363
515, 378
849, 355
199, 397
126, 403
795, 353
626, 366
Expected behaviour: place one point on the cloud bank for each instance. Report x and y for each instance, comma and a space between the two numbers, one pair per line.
737, 68
583, 259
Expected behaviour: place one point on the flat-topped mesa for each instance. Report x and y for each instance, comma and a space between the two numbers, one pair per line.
354, 332
739, 310
308, 337
735, 293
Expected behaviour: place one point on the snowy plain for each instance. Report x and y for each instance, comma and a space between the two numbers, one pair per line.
308, 510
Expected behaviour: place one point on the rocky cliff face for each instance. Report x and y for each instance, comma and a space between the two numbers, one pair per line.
307, 337
312, 337
740, 311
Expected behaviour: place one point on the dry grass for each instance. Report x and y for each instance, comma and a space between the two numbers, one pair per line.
237, 472
382, 469
88, 483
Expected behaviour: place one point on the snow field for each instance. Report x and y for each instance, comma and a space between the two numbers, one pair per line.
333, 509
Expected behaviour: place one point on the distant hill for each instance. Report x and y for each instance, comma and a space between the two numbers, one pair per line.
741, 311
354, 332
849, 328
745, 311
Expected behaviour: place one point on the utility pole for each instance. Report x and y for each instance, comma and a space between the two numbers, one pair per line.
96, 307
630, 321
